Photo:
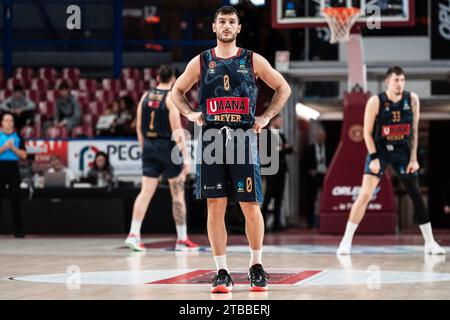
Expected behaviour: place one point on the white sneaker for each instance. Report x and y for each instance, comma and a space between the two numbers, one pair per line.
344, 248
434, 248
134, 243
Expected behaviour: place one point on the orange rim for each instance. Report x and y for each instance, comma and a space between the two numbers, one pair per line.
341, 12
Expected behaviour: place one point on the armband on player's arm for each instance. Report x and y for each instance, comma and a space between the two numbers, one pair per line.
374, 156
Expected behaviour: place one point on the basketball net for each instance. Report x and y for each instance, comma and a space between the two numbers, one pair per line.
340, 20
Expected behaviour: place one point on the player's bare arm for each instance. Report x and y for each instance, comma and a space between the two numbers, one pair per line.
413, 165
177, 130
185, 82
275, 80
370, 115
138, 122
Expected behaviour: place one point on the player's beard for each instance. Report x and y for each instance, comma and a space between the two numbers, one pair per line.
227, 40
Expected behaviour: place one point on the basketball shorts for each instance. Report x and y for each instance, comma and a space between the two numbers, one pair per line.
228, 165
157, 159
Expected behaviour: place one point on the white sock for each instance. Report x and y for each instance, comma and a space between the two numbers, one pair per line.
136, 227
349, 232
181, 232
255, 257
427, 232
221, 262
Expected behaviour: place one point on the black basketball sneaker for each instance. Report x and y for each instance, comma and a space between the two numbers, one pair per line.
222, 282
258, 278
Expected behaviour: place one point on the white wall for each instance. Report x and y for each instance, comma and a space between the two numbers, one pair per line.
395, 49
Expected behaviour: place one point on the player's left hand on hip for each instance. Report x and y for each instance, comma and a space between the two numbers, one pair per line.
413, 166
260, 123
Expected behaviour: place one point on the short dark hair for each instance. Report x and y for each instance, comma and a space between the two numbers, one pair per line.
165, 73
396, 70
6, 113
64, 86
226, 10
18, 88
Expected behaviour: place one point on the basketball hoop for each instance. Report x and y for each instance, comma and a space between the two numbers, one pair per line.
340, 20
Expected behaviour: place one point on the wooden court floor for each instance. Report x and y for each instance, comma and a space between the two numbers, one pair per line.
302, 265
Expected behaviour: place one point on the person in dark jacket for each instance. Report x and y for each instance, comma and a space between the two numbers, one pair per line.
316, 163
12, 149
68, 111
275, 183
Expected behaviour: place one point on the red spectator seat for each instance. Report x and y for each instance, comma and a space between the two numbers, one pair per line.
131, 73
148, 74
82, 97
59, 81
51, 95
10, 83
135, 95
134, 85
47, 109
89, 85
4, 94
112, 85
38, 124
81, 131
90, 121
28, 132
152, 83
39, 84
24, 74
48, 74
33, 95
71, 73
57, 132
96, 108
104, 96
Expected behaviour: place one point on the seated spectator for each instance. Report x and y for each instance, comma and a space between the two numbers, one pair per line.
56, 165
125, 121
68, 111
106, 124
20, 106
102, 173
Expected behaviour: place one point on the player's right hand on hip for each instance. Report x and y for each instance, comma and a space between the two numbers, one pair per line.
374, 166
196, 117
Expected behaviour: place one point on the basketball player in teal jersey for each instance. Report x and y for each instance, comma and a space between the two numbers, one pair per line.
157, 119
228, 90
391, 124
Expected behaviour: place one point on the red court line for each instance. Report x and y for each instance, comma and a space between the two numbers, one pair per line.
181, 278
189, 278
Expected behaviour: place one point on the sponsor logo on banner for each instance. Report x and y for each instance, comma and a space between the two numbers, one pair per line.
124, 155
235, 105
44, 149
444, 19
353, 192
355, 133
